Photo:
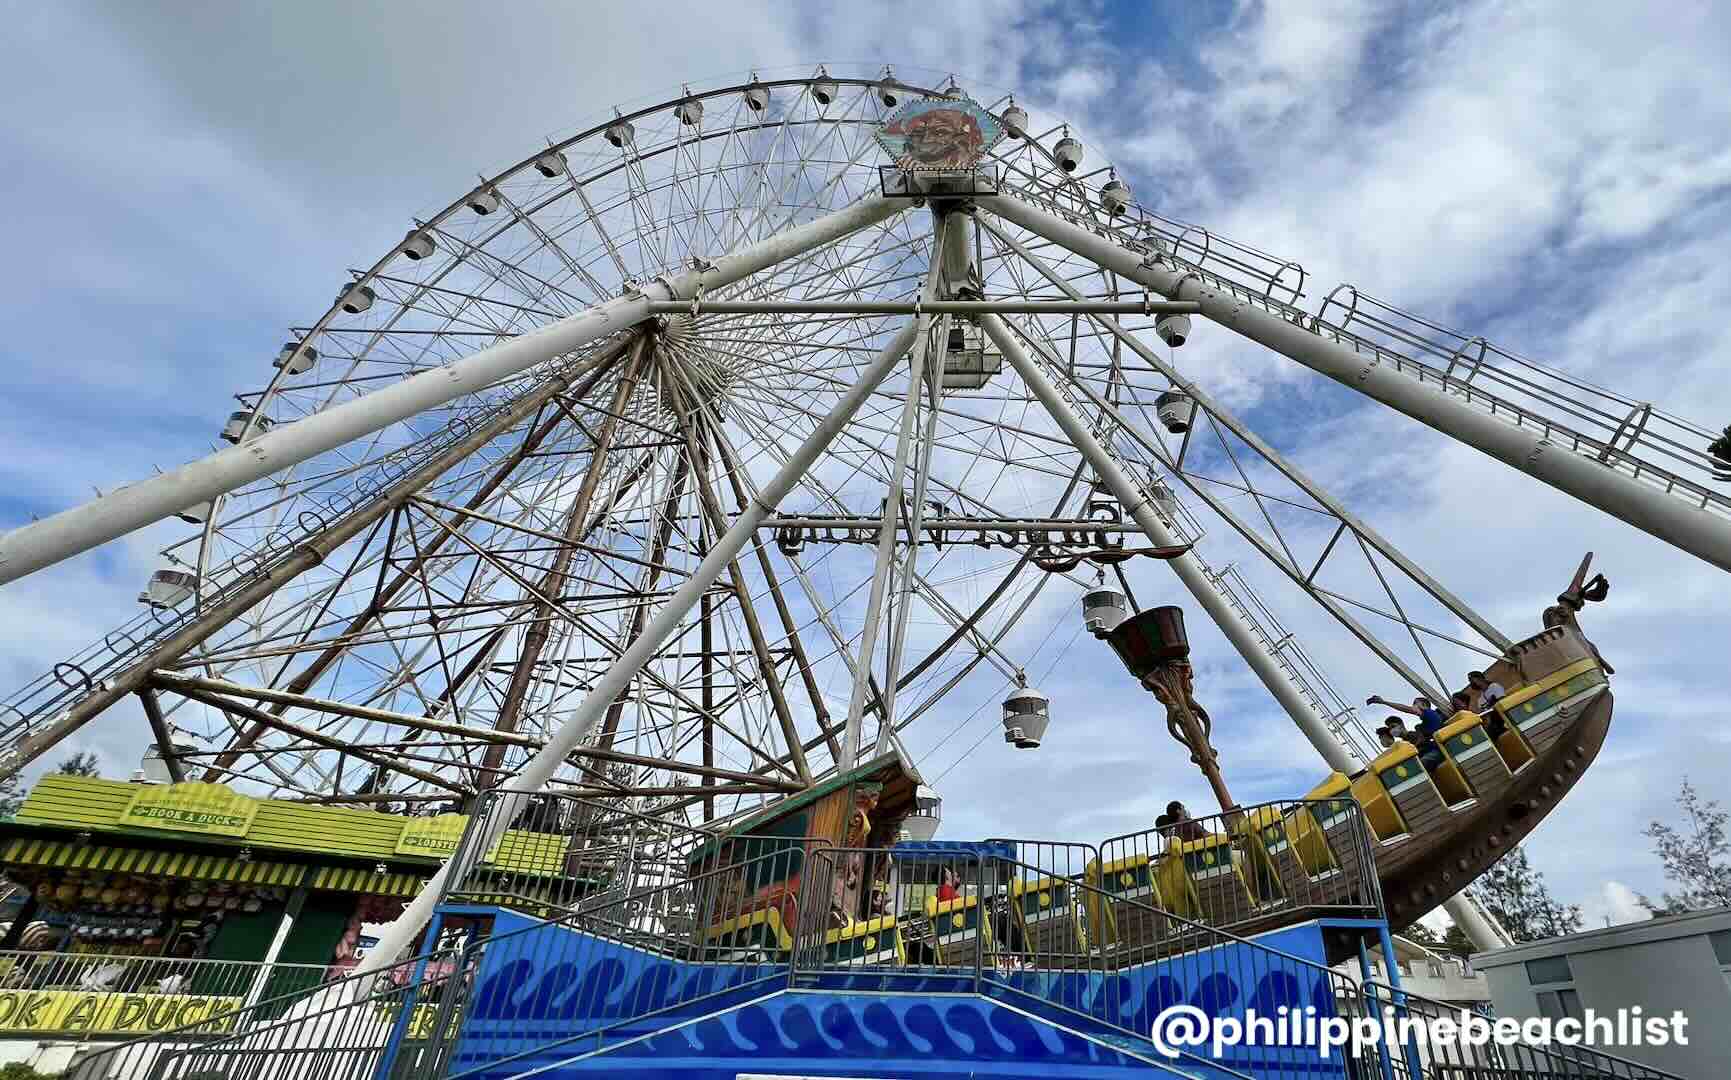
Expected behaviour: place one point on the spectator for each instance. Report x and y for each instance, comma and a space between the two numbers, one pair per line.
1181, 825
1489, 693
947, 885
1430, 720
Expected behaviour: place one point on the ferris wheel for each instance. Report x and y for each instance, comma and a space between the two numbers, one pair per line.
719, 445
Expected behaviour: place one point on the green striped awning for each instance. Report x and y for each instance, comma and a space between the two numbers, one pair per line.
180, 864
357, 880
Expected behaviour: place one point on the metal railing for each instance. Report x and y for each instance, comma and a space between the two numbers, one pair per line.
563, 854
22, 969
512, 995
69, 681
1631, 436
822, 918
1423, 1050
1263, 864
340, 1031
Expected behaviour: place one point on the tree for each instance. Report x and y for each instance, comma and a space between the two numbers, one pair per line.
1721, 449
10, 797
1516, 894
83, 763
1696, 856
1456, 943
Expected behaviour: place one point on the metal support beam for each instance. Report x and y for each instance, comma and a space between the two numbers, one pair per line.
1188, 569
43, 543
160, 731
691, 422
1646, 507
308, 554
594, 369
177, 682
538, 770
553, 584
850, 743
924, 307
1213, 408
380, 761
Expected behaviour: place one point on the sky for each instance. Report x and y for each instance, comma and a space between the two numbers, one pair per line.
1556, 178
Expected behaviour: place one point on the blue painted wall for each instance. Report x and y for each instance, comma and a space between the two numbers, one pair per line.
545, 993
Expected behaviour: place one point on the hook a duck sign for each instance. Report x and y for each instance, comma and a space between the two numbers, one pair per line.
939, 135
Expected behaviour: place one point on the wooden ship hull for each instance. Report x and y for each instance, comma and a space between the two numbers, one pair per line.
1394, 839
1560, 713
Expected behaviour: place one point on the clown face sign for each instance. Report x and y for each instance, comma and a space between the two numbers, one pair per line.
939, 135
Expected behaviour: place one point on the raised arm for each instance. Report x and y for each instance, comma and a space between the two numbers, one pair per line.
1395, 705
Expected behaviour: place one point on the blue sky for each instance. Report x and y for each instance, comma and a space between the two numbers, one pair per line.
1554, 178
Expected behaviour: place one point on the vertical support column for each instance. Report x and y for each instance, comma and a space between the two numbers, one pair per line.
890, 526
1189, 571
539, 769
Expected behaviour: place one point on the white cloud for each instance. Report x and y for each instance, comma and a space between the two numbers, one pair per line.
1555, 183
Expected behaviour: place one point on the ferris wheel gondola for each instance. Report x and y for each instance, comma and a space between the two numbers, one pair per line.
499, 504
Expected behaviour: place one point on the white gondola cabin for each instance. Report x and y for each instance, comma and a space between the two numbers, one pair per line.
1115, 197
757, 97
196, 514
296, 358
1026, 714
483, 201
168, 588
237, 425
1175, 409
922, 824
355, 299
1103, 610
1174, 330
1068, 153
1015, 121
419, 245
823, 91
968, 363
620, 133
551, 164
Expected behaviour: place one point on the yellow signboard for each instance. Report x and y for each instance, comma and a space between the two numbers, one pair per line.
207, 809
106, 1013
434, 837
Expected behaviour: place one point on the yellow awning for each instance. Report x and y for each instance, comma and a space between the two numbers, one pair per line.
180, 864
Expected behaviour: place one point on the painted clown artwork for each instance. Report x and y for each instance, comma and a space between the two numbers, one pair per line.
939, 134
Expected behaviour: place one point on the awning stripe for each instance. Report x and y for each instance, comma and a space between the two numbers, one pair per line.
70, 856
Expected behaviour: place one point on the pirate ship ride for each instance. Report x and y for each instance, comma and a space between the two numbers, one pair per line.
1400, 834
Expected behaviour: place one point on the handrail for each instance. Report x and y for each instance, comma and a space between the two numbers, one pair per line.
1288, 870
1455, 1059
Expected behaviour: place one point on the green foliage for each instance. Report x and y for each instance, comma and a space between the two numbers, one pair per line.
1697, 856
82, 763
1516, 894
17, 1070
1721, 447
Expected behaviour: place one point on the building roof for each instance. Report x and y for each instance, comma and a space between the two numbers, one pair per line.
1663, 928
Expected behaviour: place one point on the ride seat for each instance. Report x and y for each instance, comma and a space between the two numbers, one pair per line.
1333, 842
1123, 892
1470, 759
1274, 872
755, 937
1542, 710
1214, 867
1051, 925
958, 929
1417, 802
866, 944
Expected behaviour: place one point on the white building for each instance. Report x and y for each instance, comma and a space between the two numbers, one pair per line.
1680, 963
